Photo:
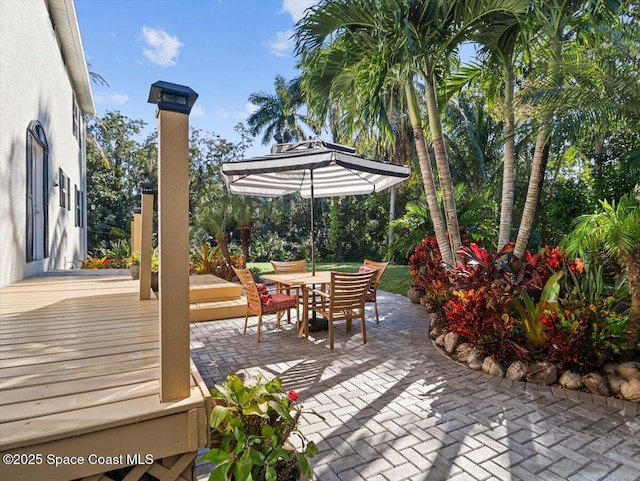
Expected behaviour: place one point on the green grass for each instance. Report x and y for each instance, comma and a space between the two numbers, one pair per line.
396, 279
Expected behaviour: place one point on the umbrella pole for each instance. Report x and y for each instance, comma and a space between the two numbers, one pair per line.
313, 232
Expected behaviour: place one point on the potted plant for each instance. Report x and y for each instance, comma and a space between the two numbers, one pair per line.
155, 267
251, 424
134, 265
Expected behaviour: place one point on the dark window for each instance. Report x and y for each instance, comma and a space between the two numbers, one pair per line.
68, 193
78, 206
75, 113
62, 183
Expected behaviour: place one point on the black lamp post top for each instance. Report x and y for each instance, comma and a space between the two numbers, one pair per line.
172, 97
148, 188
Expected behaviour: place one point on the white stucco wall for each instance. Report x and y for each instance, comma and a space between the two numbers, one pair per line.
34, 85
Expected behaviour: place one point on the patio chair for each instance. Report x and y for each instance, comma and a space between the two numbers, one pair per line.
265, 302
344, 301
290, 267
372, 295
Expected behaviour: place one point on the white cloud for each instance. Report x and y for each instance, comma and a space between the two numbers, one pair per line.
296, 8
162, 49
197, 111
282, 44
111, 99
224, 113
250, 108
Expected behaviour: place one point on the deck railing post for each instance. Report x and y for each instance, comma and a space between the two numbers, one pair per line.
136, 229
174, 105
146, 234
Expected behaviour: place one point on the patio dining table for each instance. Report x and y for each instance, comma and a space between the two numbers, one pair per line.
301, 280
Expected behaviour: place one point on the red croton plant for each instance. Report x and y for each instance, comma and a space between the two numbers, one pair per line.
578, 329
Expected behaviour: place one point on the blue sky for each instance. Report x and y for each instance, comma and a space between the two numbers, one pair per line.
222, 49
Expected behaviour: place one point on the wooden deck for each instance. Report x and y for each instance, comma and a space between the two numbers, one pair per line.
79, 377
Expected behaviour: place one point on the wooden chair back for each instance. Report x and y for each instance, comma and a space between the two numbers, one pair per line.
286, 267
379, 266
345, 300
348, 292
372, 296
251, 289
280, 302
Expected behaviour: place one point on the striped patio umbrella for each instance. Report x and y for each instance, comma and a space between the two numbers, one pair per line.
313, 168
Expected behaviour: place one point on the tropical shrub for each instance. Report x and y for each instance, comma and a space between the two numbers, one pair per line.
540, 307
97, 263
272, 246
210, 260
481, 317
251, 425
429, 274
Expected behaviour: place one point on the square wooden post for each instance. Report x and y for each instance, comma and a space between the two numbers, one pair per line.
136, 229
174, 105
146, 234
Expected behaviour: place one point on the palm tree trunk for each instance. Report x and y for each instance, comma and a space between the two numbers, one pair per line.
506, 206
221, 240
392, 214
245, 236
536, 181
442, 163
427, 176
631, 263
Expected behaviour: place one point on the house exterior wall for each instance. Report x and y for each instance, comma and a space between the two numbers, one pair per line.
35, 85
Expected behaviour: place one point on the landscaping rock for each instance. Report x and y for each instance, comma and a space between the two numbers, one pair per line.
474, 360
436, 332
629, 370
491, 366
462, 352
543, 373
440, 340
516, 371
630, 390
615, 384
450, 342
571, 380
596, 384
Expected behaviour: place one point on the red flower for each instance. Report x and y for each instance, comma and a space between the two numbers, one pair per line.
292, 395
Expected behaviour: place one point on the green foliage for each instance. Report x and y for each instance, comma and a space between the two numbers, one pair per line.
209, 260
118, 250
272, 246
534, 316
134, 259
357, 228
112, 191
278, 113
252, 423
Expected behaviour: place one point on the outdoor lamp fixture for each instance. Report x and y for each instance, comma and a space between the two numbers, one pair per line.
148, 188
172, 97
137, 210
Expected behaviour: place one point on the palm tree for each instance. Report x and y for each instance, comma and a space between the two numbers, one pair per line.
499, 52
278, 113
361, 48
615, 230
556, 24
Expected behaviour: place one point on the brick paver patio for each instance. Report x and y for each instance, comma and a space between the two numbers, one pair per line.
397, 409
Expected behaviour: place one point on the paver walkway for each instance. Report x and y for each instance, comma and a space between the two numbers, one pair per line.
397, 409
